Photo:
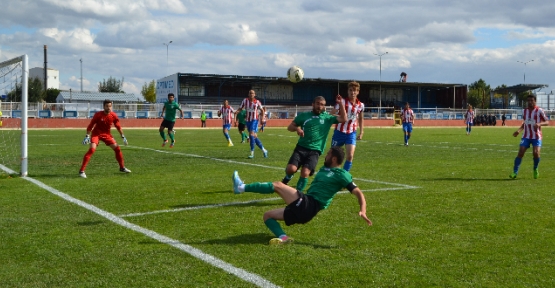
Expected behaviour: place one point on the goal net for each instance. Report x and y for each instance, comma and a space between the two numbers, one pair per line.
14, 75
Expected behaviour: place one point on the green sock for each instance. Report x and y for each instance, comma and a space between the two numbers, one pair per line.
302, 183
245, 135
261, 188
171, 136
163, 135
274, 226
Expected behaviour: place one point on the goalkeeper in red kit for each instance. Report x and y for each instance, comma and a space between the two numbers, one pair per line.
99, 130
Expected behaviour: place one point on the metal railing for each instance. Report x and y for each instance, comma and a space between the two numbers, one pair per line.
154, 110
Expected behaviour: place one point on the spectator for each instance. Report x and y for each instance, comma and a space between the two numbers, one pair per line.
503, 118
203, 119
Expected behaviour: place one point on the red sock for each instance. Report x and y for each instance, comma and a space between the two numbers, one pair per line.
119, 157
87, 158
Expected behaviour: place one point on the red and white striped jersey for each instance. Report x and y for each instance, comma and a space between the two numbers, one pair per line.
469, 116
252, 108
227, 114
531, 117
353, 111
407, 116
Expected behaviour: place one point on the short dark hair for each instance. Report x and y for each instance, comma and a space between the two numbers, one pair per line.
531, 96
338, 153
319, 98
106, 102
170, 94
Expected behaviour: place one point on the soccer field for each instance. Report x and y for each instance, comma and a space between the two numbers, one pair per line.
445, 214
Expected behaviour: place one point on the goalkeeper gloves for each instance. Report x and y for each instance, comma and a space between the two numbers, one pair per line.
87, 140
124, 140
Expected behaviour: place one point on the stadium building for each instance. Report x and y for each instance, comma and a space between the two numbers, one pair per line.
190, 88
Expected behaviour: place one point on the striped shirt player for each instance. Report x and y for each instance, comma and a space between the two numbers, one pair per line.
226, 112
99, 130
346, 133
469, 119
407, 118
533, 118
354, 112
253, 108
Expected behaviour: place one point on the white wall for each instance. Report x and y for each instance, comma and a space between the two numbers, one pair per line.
166, 85
52, 75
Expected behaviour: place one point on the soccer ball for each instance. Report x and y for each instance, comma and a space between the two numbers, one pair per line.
295, 74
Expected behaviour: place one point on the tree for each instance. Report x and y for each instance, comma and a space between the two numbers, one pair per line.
51, 95
149, 91
111, 85
480, 91
35, 90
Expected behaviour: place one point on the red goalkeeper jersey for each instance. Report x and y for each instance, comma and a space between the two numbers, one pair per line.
102, 122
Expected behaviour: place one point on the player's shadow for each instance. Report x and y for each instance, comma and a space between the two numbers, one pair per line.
256, 238
466, 179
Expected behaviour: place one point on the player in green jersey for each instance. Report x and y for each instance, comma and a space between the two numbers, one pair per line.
170, 108
241, 123
313, 128
301, 208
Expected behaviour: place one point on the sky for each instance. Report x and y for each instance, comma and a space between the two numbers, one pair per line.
433, 41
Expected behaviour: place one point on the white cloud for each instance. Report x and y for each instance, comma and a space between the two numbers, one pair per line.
430, 40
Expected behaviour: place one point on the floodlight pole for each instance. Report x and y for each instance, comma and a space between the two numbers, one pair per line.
380, 55
525, 68
167, 55
81, 60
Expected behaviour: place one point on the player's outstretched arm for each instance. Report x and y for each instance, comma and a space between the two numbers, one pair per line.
342, 117
362, 202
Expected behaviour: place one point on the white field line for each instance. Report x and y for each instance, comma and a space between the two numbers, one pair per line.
240, 273
240, 203
400, 186
259, 165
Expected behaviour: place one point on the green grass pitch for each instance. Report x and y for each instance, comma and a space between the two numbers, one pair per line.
445, 214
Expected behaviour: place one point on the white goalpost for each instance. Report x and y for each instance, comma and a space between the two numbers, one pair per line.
14, 75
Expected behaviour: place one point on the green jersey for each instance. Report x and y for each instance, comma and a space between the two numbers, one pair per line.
171, 109
241, 116
326, 183
316, 129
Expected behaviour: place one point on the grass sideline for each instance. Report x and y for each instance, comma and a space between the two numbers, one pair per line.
466, 225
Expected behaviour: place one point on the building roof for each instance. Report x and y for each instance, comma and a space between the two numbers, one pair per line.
238, 79
517, 89
100, 96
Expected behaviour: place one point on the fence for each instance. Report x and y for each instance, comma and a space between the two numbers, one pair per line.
154, 110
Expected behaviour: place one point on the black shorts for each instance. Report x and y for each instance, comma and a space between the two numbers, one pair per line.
301, 211
304, 157
241, 127
168, 124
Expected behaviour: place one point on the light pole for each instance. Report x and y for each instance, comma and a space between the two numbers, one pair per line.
380, 55
525, 68
167, 54
81, 60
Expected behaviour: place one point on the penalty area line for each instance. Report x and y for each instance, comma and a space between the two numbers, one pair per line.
207, 258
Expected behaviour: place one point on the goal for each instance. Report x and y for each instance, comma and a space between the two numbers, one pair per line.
14, 75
